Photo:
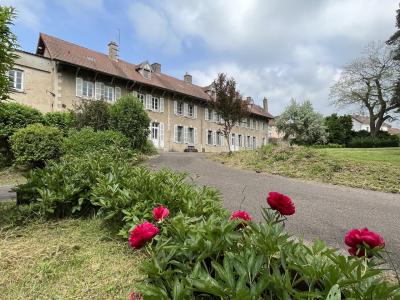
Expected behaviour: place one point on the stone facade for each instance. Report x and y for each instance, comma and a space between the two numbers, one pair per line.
178, 120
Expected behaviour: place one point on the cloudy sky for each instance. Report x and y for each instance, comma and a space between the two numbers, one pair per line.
280, 49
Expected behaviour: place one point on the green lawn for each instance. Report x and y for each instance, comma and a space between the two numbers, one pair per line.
374, 169
389, 155
67, 259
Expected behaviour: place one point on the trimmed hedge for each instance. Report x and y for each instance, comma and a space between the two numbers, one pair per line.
88, 140
62, 120
374, 142
35, 144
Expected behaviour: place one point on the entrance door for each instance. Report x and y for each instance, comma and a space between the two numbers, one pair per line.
233, 142
155, 134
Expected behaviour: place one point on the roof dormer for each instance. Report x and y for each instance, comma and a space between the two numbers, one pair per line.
145, 69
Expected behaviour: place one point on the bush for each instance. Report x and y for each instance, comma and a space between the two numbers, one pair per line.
88, 140
105, 181
374, 142
95, 114
62, 120
128, 117
35, 144
339, 128
14, 116
213, 258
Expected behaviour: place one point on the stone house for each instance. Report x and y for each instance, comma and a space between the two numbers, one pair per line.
60, 75
362, 123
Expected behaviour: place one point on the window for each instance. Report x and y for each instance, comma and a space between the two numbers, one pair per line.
16, 78
264, 125
240, 140
210, 137
179, 134
248, 142
154, 130
248, 122
190, 135
109, 93
210, 114
190, 110
146, 73
254, 142
142, 98
219, 138
155, 103
179, 108
87, 89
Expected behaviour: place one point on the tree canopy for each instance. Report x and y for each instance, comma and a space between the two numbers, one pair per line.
301, 124
228, 103
369, 82
395, 42
8, 46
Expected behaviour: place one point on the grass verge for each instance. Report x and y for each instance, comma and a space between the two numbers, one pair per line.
374, 169
67, 259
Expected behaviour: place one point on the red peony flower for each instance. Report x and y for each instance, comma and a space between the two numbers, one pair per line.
281, 203
240, 214
159, 213
356, 239
135, 296
141, 234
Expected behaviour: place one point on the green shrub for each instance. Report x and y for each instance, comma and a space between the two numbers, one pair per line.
88, 140
95, 114
14, 116
210, 258
128, 117
374, 142
62, 120
106, 181
35, 144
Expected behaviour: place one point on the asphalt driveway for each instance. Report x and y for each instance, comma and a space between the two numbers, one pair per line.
323, 211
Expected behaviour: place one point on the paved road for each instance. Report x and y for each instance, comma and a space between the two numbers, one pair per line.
322, 211
5, 193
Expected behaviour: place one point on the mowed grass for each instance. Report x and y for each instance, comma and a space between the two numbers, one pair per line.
67, 259
388, 155
374, 169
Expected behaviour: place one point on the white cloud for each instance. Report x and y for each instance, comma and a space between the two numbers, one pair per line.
28, 12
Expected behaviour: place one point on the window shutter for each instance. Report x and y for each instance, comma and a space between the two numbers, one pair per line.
185, 134
206, 137
117, 92
206, 114
97, 90
185, 109
236, 140
161, 135
79, 86
214, 138
195, 136
175, 133
195, 111
161, 104
175, 107
148, 101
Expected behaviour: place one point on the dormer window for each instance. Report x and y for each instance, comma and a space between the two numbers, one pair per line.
145, 70
146, 74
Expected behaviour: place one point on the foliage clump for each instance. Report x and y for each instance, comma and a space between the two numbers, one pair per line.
36, 144
95, 114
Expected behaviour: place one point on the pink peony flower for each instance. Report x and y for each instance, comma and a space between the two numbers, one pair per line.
281, 203
356, 239
160, 213
141, 234
240, 214
135, 296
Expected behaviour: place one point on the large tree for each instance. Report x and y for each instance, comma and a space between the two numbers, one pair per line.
228, 104
8, 46
395, 42
369, 82
301, 124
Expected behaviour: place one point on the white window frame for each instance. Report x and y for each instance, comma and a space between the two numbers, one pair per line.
13, 79
190, 110
189, 140
109, 93
210, 134
155, 103
155, 127
87, 89
182, 140
180, 108
142, 98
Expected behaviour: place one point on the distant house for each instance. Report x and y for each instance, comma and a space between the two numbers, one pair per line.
394, 131
273, 131
362, 123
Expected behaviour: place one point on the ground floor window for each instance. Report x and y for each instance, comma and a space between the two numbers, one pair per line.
190, 135
254, 142
179, 134
210, 137
155, 130
220, 138
109, 93
240, 140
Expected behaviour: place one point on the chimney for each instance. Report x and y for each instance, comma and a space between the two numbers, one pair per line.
113, 51
250, 100
265, 104
187, 78
156, 67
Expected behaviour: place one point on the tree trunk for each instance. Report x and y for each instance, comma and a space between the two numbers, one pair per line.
227, 134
